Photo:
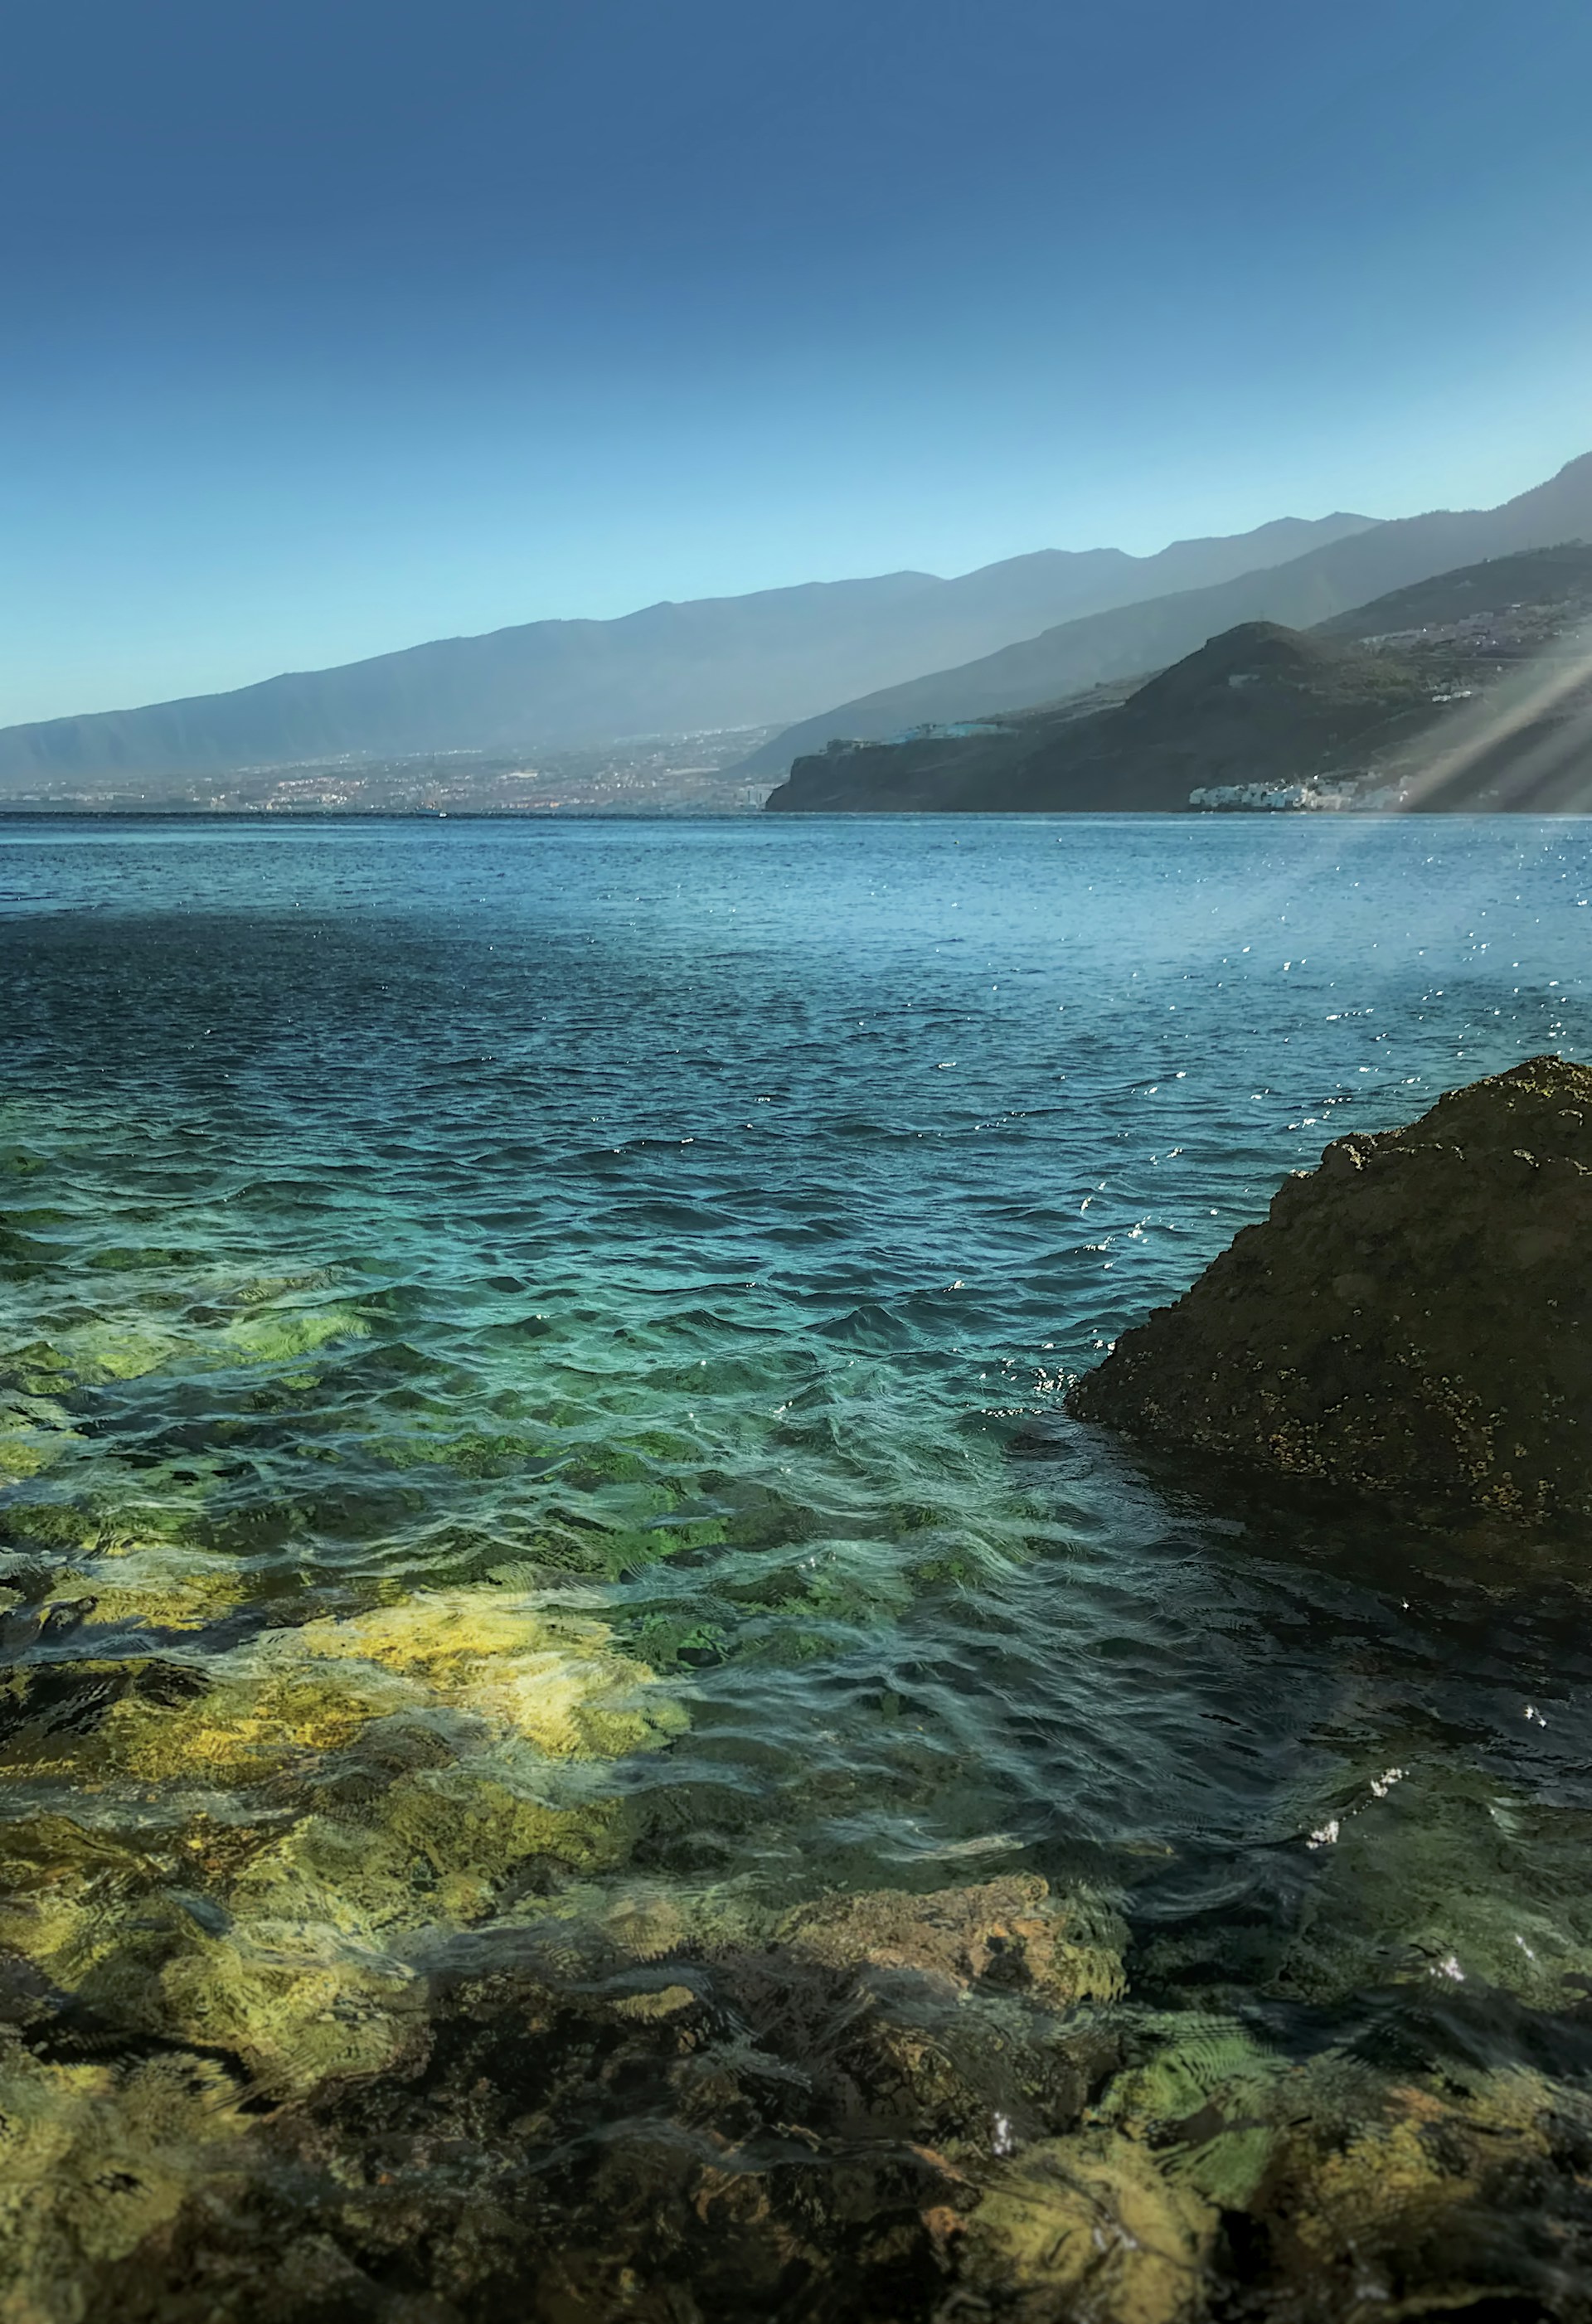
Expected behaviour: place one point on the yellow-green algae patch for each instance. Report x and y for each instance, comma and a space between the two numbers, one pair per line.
255, 1719
302, 2004
1088, 2226
1423, 2158
36, 1369
283, 1944
277, 1335
1365, 2185
264, 1290
90, 1354
372, 1782
432, 1846
1209, 2100
66, 1889
94, 2161
157, 1585
553, 1677
33, 1436
24, 1452
307, 1979
1362, 2195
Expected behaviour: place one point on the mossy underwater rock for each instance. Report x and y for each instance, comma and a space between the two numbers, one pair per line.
241, 1856
94, 2160
1008, 1933
1088, 2228
1413, 1317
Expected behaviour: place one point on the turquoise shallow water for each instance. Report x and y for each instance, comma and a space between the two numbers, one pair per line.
680, 1235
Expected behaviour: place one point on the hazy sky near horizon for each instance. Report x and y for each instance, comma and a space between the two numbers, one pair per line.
334, 326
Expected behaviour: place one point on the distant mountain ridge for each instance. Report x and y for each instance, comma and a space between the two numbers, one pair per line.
1130, 641
755, 660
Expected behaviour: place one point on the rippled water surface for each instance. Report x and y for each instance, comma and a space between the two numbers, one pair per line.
529, 1359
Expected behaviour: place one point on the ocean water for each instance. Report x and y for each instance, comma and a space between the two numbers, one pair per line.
572, 1317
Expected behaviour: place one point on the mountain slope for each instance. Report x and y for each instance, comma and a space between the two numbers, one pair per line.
1471, 691
716, 662
1119, 643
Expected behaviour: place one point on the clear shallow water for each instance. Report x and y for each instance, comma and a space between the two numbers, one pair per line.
636, 1266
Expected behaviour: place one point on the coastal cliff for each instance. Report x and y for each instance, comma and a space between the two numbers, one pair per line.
1259, 702
1472, 691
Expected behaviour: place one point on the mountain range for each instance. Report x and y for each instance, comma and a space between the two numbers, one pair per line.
1136, 640
756, 661
893, 651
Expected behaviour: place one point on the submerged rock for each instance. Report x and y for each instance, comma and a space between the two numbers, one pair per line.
94, 2160
1410, 1318
879, 2108
1088, 2228
742, 2131
237, 1854
1007, 1932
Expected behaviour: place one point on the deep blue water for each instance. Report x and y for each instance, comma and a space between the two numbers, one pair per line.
685, 1230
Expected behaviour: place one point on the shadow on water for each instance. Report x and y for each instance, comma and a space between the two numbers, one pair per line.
1351, 1686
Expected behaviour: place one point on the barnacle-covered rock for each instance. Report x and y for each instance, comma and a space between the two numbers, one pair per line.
1411, 1317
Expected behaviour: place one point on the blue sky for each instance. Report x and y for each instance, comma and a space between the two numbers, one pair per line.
334, 326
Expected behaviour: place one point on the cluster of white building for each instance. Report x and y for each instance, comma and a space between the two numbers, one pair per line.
1298, 799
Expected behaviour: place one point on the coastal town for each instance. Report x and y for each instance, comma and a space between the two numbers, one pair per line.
673, 774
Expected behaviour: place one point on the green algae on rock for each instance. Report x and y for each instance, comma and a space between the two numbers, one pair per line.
235, 1854
1410, 1319
96, 2160
1090, 2226
492, 1660
34, 1433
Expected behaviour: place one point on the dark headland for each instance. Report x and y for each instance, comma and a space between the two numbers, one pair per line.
1469, 691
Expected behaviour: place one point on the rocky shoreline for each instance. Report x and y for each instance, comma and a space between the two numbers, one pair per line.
885, 2109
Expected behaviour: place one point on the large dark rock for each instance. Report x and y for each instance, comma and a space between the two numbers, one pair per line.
1413, 1317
